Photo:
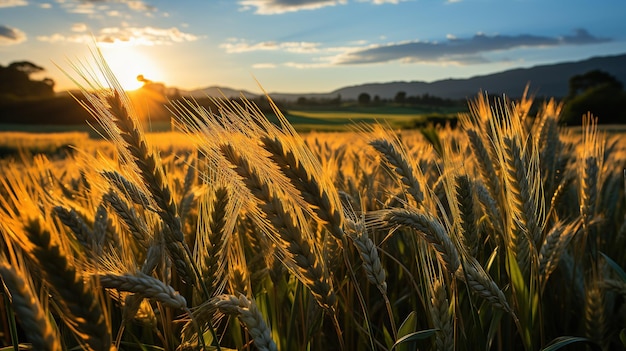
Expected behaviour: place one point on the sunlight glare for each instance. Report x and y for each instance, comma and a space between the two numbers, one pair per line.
129, 62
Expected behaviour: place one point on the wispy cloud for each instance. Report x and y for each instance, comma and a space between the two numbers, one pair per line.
96, 8
11, 36
146, 36
235, 46
306, 65
273, 7
452, 50
380, 2
264, 65
139, 6
79, 27
12, 3
460, 50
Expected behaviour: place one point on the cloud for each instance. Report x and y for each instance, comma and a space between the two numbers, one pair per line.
12, 3
139, 6
95, 8
306, 65
264, 65
11, 36
273, 7
459, 50
380, 2
79, 27
132, 36
234, 46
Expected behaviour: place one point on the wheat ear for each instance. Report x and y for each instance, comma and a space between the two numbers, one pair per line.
135, 224
398, 162
250, 316
287, 232
298, 168
29, 310
468, 213
76, 297
594, 312
213, 239
441, 316
486, 166
429, 229
554, 244
523, 228
145, 286
480, 282
77, 225
371, 261
128, 188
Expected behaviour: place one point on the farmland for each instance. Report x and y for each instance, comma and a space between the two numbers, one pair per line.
240, 232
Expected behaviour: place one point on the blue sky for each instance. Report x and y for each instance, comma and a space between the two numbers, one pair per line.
306, 45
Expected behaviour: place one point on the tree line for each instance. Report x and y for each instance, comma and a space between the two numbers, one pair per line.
595, 91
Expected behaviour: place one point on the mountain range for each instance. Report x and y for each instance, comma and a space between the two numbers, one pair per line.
544, 81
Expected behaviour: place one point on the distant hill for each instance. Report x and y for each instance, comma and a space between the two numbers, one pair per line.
545, 80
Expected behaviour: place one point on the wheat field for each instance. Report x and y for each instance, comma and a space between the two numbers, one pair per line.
506, 233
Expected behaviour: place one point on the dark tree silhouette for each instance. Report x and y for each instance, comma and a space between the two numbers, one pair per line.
597, 92
15, 80
581, 83
364, 98
400, 97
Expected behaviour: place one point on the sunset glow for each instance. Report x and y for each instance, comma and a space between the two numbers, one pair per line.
127, 63
308, 45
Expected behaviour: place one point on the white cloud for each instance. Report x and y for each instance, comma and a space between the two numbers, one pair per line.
112, 8
264, 65
132, 36
307, 65
240, 45
11, 36
12, 3
273, 7
139, 6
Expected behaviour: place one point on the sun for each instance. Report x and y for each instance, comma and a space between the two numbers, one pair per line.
128, 63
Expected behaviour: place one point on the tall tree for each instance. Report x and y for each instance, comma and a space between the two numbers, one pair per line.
15, 80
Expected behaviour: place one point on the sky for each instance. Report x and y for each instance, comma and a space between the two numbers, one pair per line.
304, 46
